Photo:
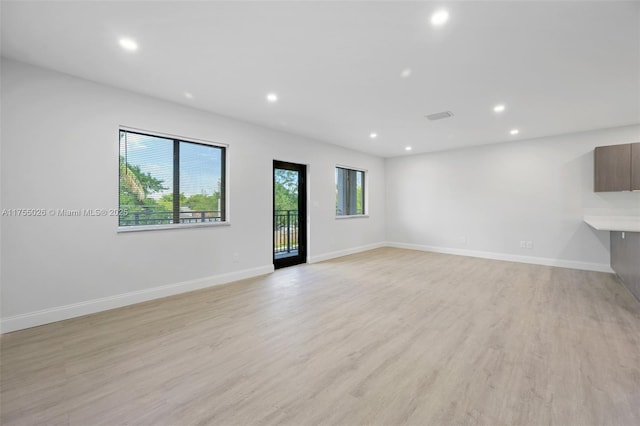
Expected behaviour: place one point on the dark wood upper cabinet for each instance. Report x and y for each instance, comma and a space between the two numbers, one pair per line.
635, 166
612, 168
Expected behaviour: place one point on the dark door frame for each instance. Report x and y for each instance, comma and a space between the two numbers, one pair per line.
301, 257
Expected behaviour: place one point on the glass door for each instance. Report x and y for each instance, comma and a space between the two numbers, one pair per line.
289, 214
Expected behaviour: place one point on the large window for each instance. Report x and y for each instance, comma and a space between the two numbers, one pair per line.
349, 192
166, 182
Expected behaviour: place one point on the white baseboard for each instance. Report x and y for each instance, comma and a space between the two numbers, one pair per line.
45, 316
340, 253
572, 264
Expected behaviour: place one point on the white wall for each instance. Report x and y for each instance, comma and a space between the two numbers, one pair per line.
483, 201
60, 150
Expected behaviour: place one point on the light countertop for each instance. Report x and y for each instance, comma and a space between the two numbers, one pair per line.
614, 223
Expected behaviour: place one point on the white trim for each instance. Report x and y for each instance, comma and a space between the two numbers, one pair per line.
153, 133
345, 252
561, 263
352, 216
357, 169
140, 228
45, 316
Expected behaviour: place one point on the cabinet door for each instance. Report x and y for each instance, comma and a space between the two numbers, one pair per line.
612, 168
635, 166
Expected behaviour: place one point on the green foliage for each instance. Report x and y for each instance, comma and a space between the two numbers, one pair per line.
286, 190
196, 202
284, 198
134, 181
201, 202
166, 202
136, 186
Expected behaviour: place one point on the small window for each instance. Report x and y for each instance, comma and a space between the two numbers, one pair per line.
167, 182
349, 192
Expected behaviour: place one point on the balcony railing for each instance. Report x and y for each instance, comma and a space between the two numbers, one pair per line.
150, 216
285, 226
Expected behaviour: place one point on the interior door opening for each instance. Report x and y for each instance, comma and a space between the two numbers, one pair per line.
289, 214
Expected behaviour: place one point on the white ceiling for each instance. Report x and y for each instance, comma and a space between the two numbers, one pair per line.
559, 67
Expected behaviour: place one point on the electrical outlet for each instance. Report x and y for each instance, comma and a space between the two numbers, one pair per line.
529, 245
523, 244
236, 257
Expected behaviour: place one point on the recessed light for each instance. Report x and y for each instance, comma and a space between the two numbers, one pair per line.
498, 108
407, 148
272, 97
373, 135
514, 131
188, 95
440, 17
405, 73
128, 44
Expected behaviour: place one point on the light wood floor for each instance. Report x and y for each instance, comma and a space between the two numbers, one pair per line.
384, 337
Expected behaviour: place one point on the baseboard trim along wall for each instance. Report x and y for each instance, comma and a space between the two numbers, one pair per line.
561, 263
345, 252
60, 313
46, 316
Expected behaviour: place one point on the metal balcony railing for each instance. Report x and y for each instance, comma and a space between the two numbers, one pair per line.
285, 226
285, 223
154, 217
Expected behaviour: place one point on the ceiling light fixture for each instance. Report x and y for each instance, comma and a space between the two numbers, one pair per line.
407, 148
498, 108
373, 135
440, 17
514, 131
188, 95
128, 44
272, 98
405, 73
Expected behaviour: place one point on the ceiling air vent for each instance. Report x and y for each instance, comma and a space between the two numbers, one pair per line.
440, 115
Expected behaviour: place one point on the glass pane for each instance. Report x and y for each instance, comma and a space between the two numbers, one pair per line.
349, 192
285, 211
359, 192
146, 175
200, 183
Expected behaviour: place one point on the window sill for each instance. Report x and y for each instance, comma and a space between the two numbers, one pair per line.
142, 228
352, 216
